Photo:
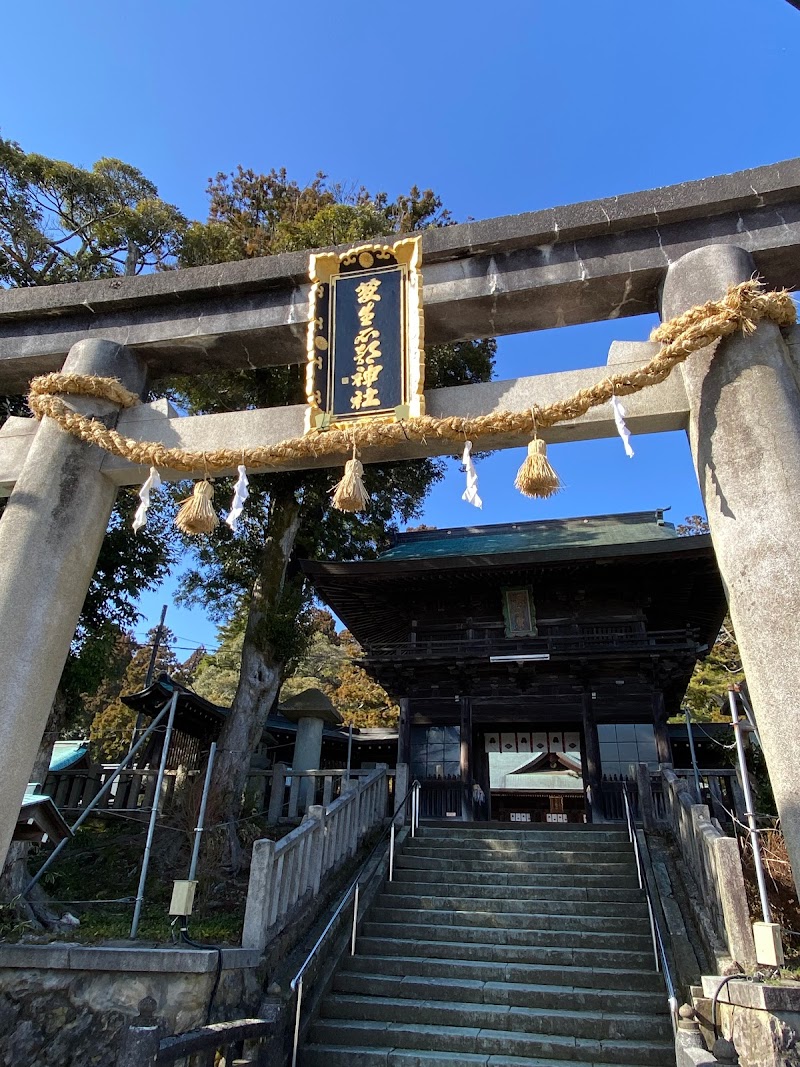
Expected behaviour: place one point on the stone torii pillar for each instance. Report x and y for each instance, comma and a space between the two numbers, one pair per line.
50, 536
744, 433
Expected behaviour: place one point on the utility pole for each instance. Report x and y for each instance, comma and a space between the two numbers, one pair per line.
151, 668
156, 642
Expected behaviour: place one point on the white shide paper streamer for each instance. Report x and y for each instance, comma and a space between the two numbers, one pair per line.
240, 495
470, 494
153, 482
622, 429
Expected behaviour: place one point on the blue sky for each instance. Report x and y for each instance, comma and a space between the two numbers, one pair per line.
501, 108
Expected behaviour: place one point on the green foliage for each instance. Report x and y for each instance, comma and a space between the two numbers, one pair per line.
707, 695
289, 515
254, 214
692, 525
61, 223
217, 676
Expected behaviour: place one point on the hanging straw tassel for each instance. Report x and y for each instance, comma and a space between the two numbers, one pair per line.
197, 514
536, 477
350, 494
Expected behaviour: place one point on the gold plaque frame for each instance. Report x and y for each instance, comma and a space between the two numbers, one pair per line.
323, 268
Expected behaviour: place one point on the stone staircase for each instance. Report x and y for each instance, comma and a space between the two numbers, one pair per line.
504, 948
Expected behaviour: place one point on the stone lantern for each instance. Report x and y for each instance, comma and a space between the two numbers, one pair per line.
311, 710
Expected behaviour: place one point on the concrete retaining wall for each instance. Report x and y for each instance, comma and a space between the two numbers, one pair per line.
67, 1005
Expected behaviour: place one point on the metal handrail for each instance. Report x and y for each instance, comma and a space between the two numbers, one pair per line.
659, 952
296, 983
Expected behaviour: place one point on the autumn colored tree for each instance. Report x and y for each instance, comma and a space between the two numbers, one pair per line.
112, 726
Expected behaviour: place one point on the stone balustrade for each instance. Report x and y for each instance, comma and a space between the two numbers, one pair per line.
287, 873
714, 863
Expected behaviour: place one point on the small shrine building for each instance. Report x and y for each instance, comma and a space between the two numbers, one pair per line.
534, 663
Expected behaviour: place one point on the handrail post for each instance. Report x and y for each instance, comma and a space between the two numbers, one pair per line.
750, 812
391, 854
355, 922
297, 1021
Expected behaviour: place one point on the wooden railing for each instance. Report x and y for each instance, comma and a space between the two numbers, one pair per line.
134, 790
286, 874
442, 798
589, 639
278, 792
720, 790
613, 803
243, 1041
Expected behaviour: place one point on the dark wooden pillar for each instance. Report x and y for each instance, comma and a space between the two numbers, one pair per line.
592, 769
404, 732
663, 743
466, 756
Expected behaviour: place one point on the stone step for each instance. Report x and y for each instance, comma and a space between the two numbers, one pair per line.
492, 952
560, 1021
501, 948
513, 994
507, 852
428, 883
395, 897
495, 935
318, 1055
390, 910
569, 862
484, 1040
432, 871
571, 976
546, 838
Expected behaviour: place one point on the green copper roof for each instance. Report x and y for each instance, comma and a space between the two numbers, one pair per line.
545, 534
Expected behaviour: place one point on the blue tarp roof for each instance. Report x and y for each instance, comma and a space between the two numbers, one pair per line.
65, 753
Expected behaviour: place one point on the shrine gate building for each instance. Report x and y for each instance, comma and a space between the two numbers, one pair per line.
534, 663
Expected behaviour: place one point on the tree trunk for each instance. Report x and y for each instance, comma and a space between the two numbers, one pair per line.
261, 672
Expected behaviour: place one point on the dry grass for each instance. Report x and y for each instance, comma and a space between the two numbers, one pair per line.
781, 889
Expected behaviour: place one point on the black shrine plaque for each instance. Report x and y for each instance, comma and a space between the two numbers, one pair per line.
365, 357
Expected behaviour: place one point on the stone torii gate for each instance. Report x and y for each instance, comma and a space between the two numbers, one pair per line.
664, 250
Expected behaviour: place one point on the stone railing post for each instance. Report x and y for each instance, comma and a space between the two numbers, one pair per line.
645, 795
50, 537
401, 784
351, 815
277, 793
317, 812
261, 894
